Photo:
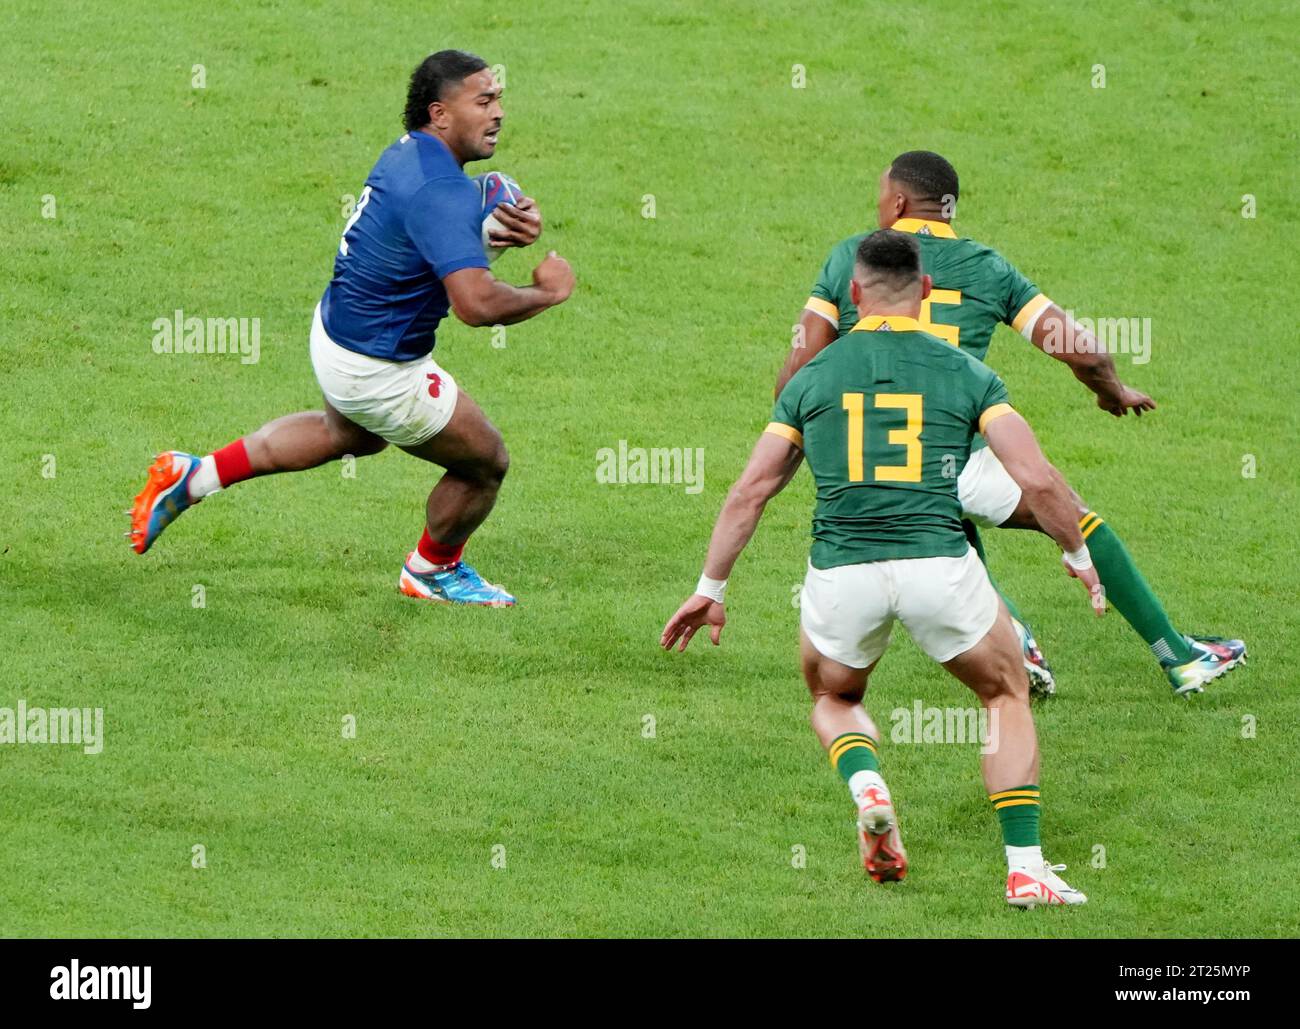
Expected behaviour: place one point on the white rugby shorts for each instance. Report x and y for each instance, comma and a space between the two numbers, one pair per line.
987, 492
404, 402
947, 604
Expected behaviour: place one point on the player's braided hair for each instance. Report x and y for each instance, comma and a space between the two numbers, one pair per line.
434, 73
930, 177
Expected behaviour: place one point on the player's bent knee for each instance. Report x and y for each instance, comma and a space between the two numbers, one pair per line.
825, 698
829, 682
499, 463
1008, 680
1016, 684
488, 470
1006, 684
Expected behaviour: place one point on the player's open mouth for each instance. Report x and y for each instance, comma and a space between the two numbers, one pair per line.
491, 137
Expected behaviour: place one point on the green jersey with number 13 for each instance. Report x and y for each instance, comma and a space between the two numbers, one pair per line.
885, 418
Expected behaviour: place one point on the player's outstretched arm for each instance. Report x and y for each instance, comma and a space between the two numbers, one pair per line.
479, 298
771, 466
815, 335
1046, 492
1060, 336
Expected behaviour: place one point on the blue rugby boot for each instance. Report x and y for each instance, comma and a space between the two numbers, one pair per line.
459, 584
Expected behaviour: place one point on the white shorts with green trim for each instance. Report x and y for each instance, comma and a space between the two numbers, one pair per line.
404, 402
947, 604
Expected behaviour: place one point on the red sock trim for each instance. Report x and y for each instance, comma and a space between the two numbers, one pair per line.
232, 463
439, 553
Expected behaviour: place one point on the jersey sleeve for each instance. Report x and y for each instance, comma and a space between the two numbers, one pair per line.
444, 221
787, 419
824, 300
1023, 301
993, 400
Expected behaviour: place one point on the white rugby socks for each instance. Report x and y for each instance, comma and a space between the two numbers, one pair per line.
1024, 859
860, 782
205, 480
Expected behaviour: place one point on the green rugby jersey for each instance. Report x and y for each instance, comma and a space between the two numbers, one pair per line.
975, 287
885, 418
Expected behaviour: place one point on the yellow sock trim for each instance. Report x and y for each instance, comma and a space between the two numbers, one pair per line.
1000, 804
843, 745
1089, 522
1002, 795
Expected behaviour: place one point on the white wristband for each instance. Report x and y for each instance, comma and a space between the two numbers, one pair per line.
1080, 560
714, 589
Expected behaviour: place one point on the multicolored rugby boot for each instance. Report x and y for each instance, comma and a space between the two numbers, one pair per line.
459, 584
165, 497
1216, 656
879, 843
1041, 886
1041, 681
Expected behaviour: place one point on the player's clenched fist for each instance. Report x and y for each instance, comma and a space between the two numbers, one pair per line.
555, 277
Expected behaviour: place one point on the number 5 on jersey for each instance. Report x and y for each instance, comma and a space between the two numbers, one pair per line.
909, 436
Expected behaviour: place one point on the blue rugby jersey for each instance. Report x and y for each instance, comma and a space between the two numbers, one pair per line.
418, 219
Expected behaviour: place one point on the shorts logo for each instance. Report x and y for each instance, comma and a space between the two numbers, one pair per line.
435, 384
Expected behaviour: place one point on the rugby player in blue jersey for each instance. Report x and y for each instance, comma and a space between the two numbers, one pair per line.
412, 250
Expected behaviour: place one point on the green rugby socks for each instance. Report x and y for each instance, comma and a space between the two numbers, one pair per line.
1018, 810
1129, 593
853, 752
854, 756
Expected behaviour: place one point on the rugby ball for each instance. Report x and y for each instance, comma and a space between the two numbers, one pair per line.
495, 188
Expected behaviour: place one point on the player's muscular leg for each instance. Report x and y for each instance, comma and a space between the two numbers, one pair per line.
993, 670
307, 439
837, 692
1023, 517
1128, 592
474, 455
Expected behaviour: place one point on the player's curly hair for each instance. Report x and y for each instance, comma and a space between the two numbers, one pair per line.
930, 177
434, 74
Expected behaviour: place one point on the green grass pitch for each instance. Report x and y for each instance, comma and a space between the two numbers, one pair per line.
527, 729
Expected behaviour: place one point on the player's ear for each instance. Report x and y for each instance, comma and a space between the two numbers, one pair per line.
855, 292
897, 203
927, 284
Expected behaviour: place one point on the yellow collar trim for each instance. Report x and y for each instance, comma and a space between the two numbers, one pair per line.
890, 322
924, 227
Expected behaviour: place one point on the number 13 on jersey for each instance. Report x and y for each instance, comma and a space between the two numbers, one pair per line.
908, 437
